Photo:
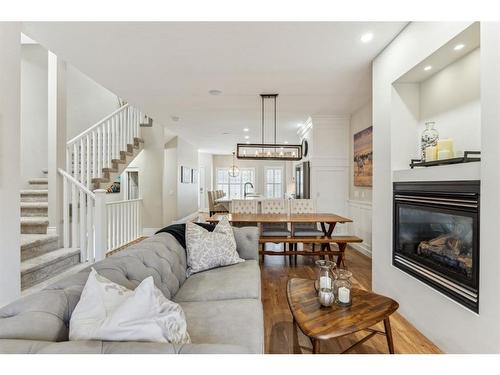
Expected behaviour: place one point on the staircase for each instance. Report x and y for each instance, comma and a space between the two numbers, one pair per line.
91, 226
41, 256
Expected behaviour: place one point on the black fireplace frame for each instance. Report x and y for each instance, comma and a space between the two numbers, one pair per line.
445, 191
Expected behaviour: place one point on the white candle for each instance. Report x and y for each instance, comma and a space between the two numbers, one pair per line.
344, 294
431, 153
444, 154
325, 282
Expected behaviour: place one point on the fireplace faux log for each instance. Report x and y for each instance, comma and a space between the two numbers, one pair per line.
436, 236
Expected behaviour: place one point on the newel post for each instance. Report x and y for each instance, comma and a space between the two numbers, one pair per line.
100, 224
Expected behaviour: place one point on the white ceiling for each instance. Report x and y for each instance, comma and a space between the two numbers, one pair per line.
167, 69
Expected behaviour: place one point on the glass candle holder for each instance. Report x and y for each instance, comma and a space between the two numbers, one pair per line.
326, 296
342, 288
326, 274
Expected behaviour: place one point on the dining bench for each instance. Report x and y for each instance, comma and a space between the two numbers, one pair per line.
341, 242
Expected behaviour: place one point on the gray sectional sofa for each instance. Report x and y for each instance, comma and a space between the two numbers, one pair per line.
222, 306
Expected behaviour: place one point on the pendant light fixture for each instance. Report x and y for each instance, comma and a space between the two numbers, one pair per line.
234, 171
268, 151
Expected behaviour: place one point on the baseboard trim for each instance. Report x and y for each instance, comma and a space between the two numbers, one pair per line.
363, 249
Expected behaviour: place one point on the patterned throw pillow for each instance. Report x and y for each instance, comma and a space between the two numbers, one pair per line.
110, 312
206, 250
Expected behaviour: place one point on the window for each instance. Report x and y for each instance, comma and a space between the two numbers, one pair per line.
233, 187
273, 182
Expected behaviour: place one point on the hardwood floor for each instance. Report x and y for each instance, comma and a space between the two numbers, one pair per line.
278, 320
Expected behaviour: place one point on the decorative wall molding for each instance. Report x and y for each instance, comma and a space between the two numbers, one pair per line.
361, 214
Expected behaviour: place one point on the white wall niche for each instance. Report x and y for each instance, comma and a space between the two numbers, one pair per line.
447, 94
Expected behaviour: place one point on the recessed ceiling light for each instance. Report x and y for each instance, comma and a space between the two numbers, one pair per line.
175, 118
247, 142
215, 92
458, 47
247, 137
245, 130
299, 125
428, 67
286, 142
368, 37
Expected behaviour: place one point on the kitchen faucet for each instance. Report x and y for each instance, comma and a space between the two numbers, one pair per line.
245, 188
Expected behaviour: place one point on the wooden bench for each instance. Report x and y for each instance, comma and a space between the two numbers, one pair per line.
341, 242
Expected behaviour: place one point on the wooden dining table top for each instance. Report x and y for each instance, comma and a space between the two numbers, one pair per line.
281, 218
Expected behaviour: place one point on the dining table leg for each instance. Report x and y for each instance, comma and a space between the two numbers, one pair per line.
328, 233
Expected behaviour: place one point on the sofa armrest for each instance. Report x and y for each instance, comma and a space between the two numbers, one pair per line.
247, 242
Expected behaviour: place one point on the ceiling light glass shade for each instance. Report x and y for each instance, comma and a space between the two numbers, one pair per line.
262, 151
234, 171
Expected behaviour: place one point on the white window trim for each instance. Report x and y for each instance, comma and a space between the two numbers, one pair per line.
216, 184
266, 168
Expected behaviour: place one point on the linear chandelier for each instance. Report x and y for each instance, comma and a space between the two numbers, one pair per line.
268, 151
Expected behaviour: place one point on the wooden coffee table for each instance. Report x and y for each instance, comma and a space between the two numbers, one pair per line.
323, 323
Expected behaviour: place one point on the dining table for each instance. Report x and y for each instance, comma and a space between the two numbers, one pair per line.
327, 221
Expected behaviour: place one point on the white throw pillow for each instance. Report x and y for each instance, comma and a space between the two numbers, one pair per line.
110, 312
206, 250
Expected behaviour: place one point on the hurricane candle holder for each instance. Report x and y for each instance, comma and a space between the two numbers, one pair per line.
342, 288
326, 278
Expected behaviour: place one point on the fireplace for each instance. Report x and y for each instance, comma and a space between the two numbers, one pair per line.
436, 236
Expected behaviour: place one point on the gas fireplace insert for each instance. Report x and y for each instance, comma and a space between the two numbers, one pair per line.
436, 236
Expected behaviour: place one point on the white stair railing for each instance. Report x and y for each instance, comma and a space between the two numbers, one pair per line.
124, 222
84, 218
94, 226
96, 148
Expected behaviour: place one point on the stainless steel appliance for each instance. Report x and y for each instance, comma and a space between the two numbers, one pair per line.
302, 181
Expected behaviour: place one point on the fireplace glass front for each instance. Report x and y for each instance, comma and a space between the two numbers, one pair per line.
436, 236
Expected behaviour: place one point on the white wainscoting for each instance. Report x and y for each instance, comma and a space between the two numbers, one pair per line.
361, 214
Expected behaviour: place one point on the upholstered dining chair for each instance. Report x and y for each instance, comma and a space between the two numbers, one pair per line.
244, 206
213, 207
304, 206
275, 206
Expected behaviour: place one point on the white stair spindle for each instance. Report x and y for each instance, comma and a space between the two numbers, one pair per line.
99, 152
89, 167
94, 154
99, 224
74, 218
83, 238
66, 213
90, 226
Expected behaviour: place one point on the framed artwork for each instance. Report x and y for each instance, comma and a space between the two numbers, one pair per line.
194, 176
185, 175
363, 157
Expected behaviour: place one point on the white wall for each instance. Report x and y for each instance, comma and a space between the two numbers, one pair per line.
87, 102
34, 155
10, 178
451, 99
360, 120
205, 162
360, 197
226, 161
328, 137
451, 326
187, 194
149, 163
180, 199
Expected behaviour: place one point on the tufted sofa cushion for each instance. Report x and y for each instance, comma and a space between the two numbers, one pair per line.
45, 315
